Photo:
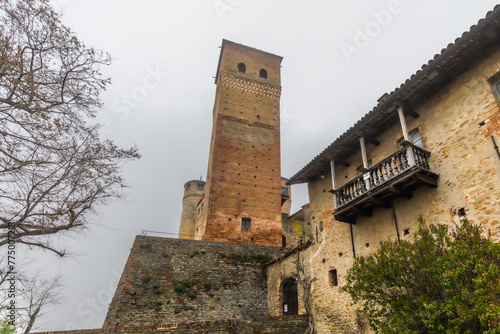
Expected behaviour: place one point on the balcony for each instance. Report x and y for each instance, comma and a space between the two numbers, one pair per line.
395, 176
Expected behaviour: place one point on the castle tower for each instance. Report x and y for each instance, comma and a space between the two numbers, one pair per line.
191, 208
243, 191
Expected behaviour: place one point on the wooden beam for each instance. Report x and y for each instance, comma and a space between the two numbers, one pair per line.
379, 202
341, 162
344, 219
407, 110
430, 181
362, 212
372, 141
401, 192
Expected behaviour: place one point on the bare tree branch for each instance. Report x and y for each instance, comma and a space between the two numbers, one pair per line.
55, 170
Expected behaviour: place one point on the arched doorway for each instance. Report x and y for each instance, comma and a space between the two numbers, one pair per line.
290, 297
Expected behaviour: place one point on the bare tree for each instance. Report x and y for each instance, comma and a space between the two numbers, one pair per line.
305, 280
33, 296
55, 170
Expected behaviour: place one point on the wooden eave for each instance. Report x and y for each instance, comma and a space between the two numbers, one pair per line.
467, 51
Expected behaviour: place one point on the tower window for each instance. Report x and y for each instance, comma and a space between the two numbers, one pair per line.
188, 186
242, 68
333, 277
200, 186
245, 224
263, 73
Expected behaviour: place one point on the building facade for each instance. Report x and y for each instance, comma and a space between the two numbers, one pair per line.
428, 148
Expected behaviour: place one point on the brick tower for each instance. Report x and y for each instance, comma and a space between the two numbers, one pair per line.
243, 191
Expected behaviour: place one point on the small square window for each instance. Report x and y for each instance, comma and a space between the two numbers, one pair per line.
200, 186
245, 224
415, 138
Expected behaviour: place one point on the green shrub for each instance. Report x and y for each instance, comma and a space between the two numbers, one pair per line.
207, 286
177, 310
159, 291
147, 279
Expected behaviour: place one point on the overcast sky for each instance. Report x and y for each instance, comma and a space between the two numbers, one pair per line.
339, 57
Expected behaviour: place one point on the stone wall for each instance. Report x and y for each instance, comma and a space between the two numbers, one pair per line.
283, 325
456, 124
174, 281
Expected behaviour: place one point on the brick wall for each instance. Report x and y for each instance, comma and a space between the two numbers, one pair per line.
221, 281
244, 177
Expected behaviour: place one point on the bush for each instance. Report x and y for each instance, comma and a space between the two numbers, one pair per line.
441, 282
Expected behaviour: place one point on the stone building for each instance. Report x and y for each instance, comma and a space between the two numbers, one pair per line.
428, 148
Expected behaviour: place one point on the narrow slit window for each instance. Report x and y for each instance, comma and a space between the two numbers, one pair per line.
245, 224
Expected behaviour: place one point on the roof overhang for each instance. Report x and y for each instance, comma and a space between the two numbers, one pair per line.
467, 51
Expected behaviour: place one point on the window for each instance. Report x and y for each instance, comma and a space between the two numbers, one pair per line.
200, 186
263, 73
188, 186
245, 224
242, 68
290, 297
361, 169
497, 88
332, 274
283, 241
415, 138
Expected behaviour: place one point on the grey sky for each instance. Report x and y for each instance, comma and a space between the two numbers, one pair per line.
165, 57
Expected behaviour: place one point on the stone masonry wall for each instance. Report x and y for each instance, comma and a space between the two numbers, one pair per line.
456, 125
173, 281
285, 325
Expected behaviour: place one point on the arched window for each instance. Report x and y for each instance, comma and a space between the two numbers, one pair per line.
263, 73
242, 68
290, 297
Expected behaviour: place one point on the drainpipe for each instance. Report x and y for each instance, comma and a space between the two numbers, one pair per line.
395, 221
352, 242
495, 146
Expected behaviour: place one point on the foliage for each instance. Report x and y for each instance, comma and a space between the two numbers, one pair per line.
441, 282
55, 170
147, 279
183, 287
5, 328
